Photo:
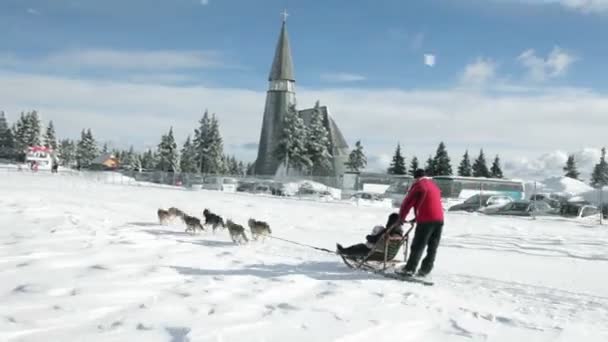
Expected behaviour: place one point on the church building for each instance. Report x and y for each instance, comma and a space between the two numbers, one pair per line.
280, 97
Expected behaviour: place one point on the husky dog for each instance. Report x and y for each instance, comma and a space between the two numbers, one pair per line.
175, 213
237, 232
163, 216
258, 228
192, 223
214, 220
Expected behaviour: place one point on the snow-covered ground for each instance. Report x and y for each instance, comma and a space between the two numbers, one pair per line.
86, 261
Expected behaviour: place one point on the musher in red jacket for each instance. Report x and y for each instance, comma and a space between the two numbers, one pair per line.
425, 197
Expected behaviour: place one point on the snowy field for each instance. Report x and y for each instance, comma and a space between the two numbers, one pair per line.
83, 261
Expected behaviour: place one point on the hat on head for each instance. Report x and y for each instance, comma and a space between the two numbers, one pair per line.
419, 173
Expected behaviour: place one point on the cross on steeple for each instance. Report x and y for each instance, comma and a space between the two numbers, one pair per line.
284, 14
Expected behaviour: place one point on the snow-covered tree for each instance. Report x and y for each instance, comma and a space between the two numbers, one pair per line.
168, 155
570, 168
149, 160
86, 149
465, 169
105, 149
429, 168
188, 157
291, 148
33, 129
480, 167
50, 139
413, 166
599, 177
318, 144
495, 170
216, 148
67, 152
356, 159
242, 169
202, 143
7, 141
441, 162
397, 166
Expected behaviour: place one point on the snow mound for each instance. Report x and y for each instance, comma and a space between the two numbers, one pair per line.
562, 185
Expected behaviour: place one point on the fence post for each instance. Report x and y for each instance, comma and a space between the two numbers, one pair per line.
534, 202
480, 194
601, 205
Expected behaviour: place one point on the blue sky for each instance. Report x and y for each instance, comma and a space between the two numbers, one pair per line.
506, 58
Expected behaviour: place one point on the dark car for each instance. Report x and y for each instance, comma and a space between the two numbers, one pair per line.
477, 202
524, 208
554, 201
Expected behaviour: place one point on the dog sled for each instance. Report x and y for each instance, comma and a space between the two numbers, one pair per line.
382, 259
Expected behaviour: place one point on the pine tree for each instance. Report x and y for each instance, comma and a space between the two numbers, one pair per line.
413, 166
318, 144
441, 162
356, 159
495, 170
86, 149
570, 168
291, 148
465, 169
429, 168
50, 140
202, 143
67, 152
216, 148
480, 167
149, 160
599, 177
397, 166
188, 157
7, 141
32, 134
105, 150
20, 129
168, 157
242, 169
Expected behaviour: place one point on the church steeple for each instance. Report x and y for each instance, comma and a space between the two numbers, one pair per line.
282, 66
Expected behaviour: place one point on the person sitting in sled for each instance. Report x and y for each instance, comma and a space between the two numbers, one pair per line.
363, 249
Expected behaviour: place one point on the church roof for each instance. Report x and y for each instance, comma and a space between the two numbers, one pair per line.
282, 66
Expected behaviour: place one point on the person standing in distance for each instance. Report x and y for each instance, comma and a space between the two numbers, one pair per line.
425, 197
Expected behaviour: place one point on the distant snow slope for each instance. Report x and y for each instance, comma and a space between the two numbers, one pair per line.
84, 261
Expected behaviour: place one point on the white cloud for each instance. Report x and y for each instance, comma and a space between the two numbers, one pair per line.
478, 72
33, 11
429, 60
512, 124
159, 60
585, 6
550, 164
342, 77
540, 69
204, 2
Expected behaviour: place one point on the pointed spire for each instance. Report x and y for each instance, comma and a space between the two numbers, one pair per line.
282, 66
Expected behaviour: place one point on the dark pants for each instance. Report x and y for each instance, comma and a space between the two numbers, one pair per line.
356, 250
427, 234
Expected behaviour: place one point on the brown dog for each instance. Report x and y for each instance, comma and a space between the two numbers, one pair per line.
192, 223
237, 232
175, 213
163, 216
258, 228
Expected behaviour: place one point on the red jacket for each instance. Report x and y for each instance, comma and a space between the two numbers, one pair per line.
425, 197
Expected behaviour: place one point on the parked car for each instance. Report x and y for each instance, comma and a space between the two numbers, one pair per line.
477, 202
579, 209
308, 192
227, 184
523, 208
551, 200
